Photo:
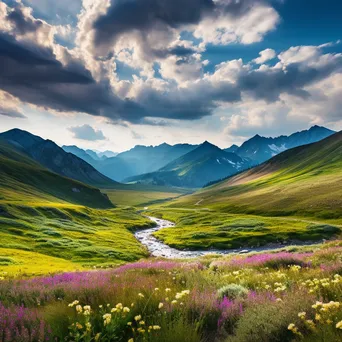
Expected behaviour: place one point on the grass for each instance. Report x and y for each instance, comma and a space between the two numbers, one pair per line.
75, 235
204, 229
18, 263
272, 297
141, 198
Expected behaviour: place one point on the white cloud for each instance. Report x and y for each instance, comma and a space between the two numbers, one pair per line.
265, 55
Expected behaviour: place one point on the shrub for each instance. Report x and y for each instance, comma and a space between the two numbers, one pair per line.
232, 291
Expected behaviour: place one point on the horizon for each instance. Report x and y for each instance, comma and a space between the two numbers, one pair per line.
165, 143
80, 75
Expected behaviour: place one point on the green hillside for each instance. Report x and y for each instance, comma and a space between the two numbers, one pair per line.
69, 225
304, 181
25, 181
296, 196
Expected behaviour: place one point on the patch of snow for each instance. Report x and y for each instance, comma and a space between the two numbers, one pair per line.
229, 161
277, 149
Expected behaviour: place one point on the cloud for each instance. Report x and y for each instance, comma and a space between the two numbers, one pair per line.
10, 106
265, 56
87, 132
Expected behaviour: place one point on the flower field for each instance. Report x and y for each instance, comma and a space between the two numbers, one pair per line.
281, 296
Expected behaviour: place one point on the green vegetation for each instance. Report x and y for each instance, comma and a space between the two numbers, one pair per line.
76, 234
223, 299
23, 181
305, 181
142, 195
296, 196
204, 229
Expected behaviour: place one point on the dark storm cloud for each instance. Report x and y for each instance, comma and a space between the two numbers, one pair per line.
23, 24
268, 85
34, 75
124, 16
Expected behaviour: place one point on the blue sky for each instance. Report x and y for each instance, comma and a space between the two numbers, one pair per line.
153, 71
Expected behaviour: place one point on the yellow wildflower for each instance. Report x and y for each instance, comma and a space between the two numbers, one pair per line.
339, 325
137, 318
160, 305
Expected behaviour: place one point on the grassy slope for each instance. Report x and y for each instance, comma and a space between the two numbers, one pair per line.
305, 181
295, 196
39, 213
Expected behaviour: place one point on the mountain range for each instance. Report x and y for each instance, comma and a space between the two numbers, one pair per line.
303, 181
181, 165
150, 165
260, 149
54, 158
196, 168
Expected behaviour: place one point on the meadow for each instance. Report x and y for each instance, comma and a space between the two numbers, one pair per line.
290, 295
198, 229
67, 237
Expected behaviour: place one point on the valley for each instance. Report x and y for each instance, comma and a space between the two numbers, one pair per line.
267, 238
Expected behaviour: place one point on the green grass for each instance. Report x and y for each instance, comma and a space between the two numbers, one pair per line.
304, 181
75, 234
204, 229
295, 196
134, 196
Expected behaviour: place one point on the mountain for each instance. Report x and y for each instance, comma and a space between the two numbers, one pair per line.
204, 164
102, 155
26, 181
141, 159
303, 181
232, 149
260, 149
80, 153
54, 158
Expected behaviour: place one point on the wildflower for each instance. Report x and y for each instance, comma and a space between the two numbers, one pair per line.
141, 295
107, 318
279, 300
291, 326
142, 322
79, 326
310, 323
137, 318
131, 340
156, 289
156, 327
88, 326
339, 325
100, 306
174, 302
302, 315
126, 309
75, 302
129, 323
97, 337
167, 290
318, 317
160, 305
329, 321
79, 308
119, 306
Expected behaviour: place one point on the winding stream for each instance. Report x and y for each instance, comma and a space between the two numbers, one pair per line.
159, 249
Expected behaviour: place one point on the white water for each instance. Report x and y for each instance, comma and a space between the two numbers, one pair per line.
159, 249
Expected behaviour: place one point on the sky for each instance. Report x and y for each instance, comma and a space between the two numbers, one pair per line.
112, 74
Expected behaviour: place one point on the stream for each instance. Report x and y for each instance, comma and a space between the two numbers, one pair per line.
159, 249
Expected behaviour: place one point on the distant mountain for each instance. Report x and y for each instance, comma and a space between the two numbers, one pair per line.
86, 156
232, 149
204, 164
260, 149
141, 159
48, 154
103, 155
303, 181
23, 180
